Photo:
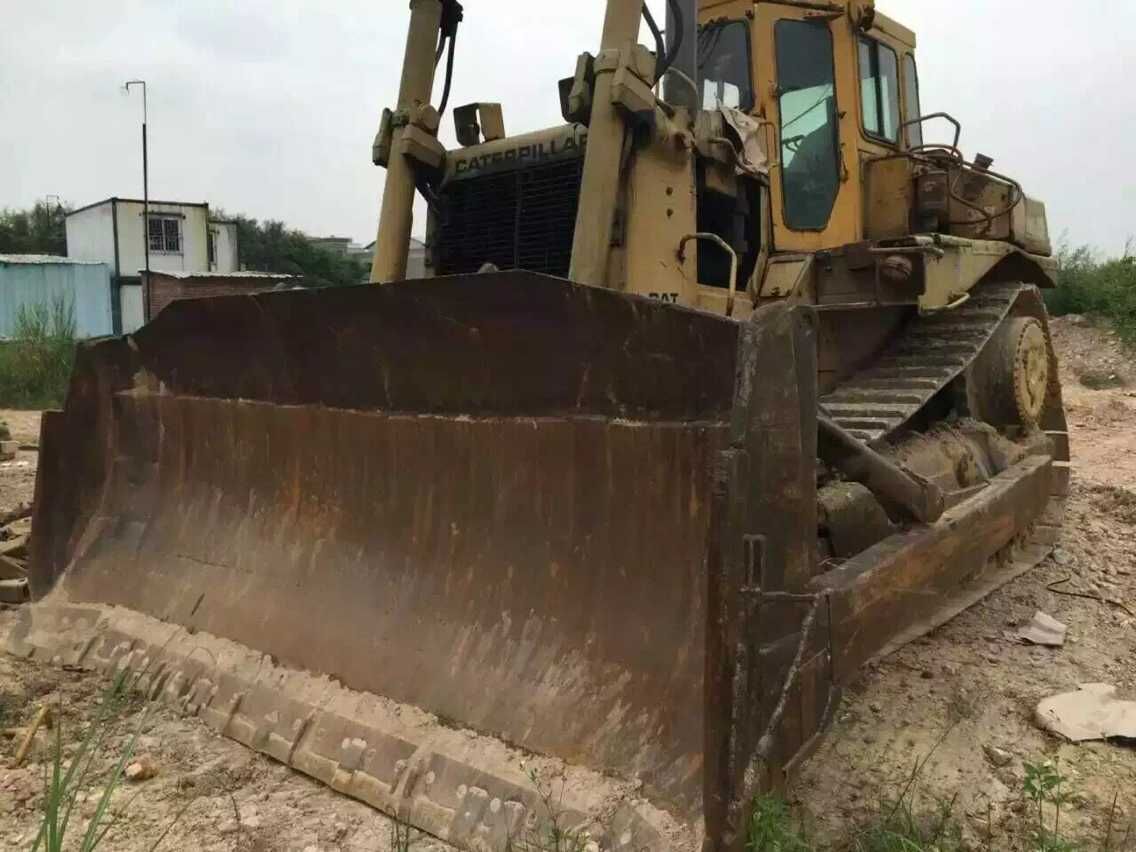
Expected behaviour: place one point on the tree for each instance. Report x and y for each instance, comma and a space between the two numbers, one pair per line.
40, 230
273, 247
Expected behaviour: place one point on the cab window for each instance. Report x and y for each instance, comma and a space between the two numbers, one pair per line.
810, 148
914, 132
879, 90
724, 65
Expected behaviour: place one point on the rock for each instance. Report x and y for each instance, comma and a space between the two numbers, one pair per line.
1045, 630
142, 769
997, 756
1007, 776
251, 822
1062, 557
1093, 712
875, 708
927, 674
229, 826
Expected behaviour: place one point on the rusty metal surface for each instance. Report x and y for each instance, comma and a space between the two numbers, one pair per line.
507, 343
501, 572
572, 519
763, 554
490, 497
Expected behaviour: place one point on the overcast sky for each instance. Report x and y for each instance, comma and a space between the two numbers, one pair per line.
268, 107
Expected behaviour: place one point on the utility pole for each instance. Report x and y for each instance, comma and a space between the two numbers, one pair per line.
145, 197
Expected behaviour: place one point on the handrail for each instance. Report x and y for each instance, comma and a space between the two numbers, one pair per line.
721, 243
923, 118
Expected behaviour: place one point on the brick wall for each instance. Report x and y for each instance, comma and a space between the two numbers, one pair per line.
165, 289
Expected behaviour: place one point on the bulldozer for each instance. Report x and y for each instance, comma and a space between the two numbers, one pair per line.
727, 385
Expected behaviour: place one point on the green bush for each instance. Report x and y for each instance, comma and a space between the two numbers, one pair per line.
1088, 284
35, 365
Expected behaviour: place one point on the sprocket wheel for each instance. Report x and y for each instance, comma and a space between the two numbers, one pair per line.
1029, 368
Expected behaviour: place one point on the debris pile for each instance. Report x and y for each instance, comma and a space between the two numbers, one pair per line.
15, 532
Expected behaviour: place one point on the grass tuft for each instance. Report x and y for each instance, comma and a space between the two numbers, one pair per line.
35, 365
63, 781
771, 828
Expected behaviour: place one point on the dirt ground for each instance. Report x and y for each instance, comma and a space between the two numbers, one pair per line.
17, 478
215, 794
940, 701
965, 687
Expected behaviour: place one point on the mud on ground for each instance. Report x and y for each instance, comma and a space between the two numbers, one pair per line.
940, 700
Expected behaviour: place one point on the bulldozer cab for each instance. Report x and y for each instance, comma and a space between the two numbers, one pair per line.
831, 91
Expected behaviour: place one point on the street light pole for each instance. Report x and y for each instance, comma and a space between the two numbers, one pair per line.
145, 198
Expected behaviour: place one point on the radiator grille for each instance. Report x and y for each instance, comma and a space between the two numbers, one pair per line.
521, 219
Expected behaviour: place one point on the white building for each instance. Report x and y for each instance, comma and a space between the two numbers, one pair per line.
415, 257
182, 238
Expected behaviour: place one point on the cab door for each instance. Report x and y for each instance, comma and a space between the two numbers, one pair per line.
812, 124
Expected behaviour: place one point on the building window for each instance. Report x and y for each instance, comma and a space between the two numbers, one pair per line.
879, 90
810, 143
165, 234
212, 248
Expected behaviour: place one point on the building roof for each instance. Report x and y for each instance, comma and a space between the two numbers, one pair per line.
181, 276
45, 259
139, 201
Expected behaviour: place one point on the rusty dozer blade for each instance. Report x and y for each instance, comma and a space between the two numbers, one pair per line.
576, 522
